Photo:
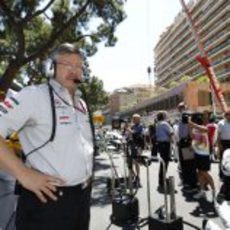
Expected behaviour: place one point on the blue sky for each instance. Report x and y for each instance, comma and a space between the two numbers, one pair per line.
126, 63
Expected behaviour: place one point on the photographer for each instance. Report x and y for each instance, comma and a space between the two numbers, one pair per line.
200, 145
187, 170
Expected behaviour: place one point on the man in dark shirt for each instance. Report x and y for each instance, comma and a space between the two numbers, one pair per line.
187, 169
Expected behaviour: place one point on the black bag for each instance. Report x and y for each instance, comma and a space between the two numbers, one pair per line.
185, 142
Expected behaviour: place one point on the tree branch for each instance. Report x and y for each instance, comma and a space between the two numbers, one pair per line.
8, 12
5, 53
17, 28
56, 35
29, 17
83, 36
21, 42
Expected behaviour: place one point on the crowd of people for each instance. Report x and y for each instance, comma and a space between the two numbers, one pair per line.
199, 139
194, 140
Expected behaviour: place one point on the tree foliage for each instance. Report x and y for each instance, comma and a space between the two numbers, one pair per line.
94, 93
202, 79
30, 29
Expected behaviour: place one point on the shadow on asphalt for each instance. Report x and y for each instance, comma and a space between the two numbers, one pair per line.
204, 209
100, 195
101, 164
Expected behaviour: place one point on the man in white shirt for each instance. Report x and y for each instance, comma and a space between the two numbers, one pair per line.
54, 130
222, 203
223, 136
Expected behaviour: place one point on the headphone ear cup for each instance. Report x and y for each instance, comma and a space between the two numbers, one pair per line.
49, 68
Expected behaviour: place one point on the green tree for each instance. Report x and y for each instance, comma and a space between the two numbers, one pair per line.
94, 93
185, 78
173, 84
29, 29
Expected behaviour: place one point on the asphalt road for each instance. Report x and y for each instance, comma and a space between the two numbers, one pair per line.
190, 210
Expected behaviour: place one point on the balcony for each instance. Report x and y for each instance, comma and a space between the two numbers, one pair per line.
212, 12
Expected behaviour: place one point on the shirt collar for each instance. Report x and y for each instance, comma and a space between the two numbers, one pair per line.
62, 90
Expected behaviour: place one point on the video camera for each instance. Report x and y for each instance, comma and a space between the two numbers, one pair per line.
196, 117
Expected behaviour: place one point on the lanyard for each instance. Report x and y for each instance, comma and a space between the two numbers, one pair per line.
81, 109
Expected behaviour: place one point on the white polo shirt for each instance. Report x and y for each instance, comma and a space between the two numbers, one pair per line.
70, 155
224, 130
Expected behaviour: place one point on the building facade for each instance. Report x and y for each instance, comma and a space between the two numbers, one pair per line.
197, 96
125, 98
176, 51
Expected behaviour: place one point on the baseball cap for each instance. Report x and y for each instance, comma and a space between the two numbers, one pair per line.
181, 105
136, 115
225, 164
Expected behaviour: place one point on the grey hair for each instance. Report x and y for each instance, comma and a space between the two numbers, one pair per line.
65, 48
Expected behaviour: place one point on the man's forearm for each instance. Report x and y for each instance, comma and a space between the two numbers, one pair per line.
9, 162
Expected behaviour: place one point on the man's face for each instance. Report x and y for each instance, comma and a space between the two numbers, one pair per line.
136, 120
69, 70
181, 109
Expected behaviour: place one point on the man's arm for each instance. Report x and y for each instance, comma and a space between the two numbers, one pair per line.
201, 128
42, 185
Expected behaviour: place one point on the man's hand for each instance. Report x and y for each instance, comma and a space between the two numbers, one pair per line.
42, 185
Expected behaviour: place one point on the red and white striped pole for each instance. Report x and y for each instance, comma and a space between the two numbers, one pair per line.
204, 61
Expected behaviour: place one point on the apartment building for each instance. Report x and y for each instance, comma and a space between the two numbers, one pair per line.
176, 51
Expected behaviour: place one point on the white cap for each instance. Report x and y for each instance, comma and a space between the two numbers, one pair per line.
136, 115
225, 164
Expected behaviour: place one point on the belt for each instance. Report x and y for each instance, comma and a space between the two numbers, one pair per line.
163, 142
75, 188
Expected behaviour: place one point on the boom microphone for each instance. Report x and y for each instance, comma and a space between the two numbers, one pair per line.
77, 81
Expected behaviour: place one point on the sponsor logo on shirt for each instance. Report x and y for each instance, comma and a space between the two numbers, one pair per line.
64, 120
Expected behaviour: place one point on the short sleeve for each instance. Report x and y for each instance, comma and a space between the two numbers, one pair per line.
168, 128
219, 127
16, 111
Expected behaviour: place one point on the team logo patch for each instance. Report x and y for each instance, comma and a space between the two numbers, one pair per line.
64, 120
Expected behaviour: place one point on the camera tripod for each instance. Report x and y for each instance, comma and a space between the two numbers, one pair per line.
125, 206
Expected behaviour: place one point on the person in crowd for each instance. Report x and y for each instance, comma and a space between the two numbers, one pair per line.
164, 135
187, 169
53, 126
222, 203
209, 121
200, 145
223, 137
137, 133
152, 137
125, 132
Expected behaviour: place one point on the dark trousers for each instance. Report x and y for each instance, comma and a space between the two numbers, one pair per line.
71, 211
187, 170
164, 151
